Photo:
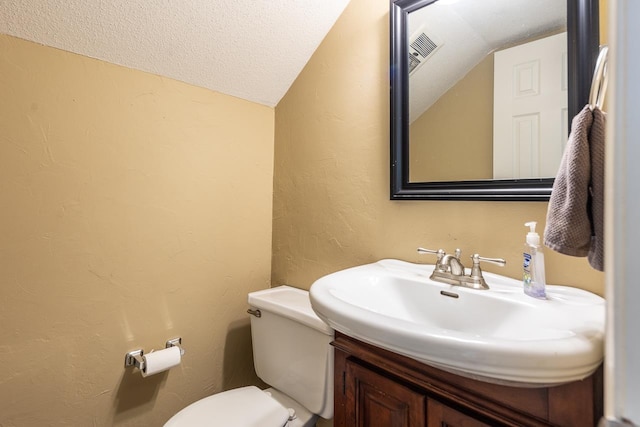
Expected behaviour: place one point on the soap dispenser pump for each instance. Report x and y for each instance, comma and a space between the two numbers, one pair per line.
533, 265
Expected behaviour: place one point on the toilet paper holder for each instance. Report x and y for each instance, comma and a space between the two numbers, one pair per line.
134, 357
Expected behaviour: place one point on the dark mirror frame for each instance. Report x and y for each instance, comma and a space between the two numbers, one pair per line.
583, 47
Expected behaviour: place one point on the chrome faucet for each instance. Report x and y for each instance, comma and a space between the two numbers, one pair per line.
449, 269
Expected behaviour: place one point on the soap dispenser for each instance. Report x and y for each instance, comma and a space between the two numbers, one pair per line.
533, 266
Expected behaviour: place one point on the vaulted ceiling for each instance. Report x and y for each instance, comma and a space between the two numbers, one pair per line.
250, 49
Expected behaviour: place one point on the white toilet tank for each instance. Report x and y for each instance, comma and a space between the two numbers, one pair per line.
291, 350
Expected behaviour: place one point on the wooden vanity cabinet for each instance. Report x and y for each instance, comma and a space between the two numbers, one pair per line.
378, 388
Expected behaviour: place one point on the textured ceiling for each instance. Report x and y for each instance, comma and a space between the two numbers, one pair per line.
251, 49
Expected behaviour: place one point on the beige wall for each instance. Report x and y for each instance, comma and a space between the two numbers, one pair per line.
134, 209
331, 184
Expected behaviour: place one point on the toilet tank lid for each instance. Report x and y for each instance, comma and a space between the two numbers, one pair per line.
289, 302
241, 407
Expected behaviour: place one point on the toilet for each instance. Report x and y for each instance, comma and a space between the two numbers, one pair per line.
291, 353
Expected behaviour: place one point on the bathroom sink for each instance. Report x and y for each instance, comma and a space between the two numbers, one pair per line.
498, 335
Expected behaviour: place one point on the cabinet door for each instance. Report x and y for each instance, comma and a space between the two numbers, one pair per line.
376, 401
440, 415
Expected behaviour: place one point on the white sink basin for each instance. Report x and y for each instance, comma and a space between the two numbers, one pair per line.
498, 335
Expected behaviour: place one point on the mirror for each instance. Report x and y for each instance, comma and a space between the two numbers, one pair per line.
443, 137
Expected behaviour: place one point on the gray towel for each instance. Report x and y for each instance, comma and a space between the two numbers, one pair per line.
575, 217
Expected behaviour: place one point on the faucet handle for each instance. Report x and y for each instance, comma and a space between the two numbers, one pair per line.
440, 254
476, 258
499, 261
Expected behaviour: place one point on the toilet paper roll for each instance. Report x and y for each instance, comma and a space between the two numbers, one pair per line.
161, 360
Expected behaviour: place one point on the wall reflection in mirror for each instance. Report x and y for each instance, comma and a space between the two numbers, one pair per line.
487, 89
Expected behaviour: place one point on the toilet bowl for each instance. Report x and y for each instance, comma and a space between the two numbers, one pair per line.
292, 354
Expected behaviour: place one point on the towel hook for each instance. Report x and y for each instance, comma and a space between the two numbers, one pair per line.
600, 78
